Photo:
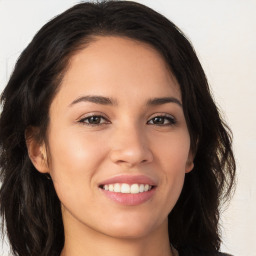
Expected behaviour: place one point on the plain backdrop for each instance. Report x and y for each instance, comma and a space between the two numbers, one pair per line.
223, 33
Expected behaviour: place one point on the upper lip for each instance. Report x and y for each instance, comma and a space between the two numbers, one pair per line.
129, 179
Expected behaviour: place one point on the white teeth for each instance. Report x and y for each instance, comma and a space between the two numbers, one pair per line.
117, 187
135, 189
127, 189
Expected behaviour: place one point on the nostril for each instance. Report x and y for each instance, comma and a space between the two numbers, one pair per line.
131, 154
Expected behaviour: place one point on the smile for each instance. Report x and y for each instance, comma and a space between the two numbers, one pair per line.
127, 188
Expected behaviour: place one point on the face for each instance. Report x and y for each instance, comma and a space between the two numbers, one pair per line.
118, 141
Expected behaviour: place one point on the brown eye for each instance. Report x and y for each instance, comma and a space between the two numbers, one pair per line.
158, 120
94, 120
162, 120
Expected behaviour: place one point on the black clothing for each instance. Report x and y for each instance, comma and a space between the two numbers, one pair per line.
187, 252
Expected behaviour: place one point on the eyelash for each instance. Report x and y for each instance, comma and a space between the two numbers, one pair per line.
83, 120
171, 120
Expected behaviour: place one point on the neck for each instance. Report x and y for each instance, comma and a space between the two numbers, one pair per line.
86, 241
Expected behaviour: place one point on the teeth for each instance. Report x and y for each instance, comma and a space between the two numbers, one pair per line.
135, 189
127, 189
117, 187
111, 187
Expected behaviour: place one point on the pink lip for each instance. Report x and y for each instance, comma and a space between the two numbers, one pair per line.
129, 199
129, 179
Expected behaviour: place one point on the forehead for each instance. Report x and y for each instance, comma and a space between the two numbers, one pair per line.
118, 67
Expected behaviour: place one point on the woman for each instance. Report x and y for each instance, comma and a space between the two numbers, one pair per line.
110, 141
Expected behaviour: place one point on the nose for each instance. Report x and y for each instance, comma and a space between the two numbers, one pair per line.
130, 147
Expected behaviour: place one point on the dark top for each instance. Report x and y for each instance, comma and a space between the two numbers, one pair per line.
187, 252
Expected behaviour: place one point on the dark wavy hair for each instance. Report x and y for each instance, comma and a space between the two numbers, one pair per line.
29, 204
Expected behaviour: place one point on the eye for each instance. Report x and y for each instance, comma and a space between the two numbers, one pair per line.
162, 120
94, 120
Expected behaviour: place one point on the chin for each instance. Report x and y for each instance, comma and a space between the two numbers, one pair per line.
133, 228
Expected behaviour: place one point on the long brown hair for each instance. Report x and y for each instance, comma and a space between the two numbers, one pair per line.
29, 204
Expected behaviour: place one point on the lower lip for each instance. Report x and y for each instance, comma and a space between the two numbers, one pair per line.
130, 199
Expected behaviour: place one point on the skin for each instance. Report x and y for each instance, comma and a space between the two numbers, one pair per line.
126, 141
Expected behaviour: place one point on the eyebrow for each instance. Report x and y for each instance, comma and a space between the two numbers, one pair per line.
164, 100
108, 101
95, 99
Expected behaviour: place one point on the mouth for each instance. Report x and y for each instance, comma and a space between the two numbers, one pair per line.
129, 190
125, 188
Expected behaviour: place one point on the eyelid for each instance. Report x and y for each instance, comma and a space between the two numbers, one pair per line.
89, 114
93, 114
164, 115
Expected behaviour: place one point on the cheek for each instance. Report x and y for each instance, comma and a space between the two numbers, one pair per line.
75, 158
172, 151
172, 156
74, 148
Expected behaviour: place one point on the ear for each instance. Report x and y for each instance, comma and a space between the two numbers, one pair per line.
190, 162
36, 150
